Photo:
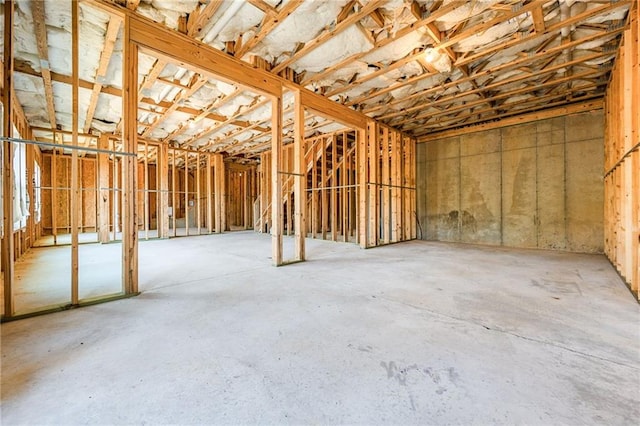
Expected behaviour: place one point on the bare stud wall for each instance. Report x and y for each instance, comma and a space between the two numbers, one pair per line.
622, 159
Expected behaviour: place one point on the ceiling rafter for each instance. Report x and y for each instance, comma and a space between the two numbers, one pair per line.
326, 35
545, 106
516, 79
110, 39
40, 27
263, 6
272, 19
196, 84
494, 71
509, 94
200, 16
517, 39
205, 112
221, 124
433, 16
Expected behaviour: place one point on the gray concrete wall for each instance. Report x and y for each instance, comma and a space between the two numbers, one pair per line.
532, 185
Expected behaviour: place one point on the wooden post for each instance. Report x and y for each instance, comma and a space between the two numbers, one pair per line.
276, 181
7, 163
396, 192
116, 196
54, 194
209, 193
386, 189
300, 178
362, 186
173, 192
146, 190
247, 199
103, 191
374, 210
186, 193
323, 184
163, 165
130, 140
74, 154
314, 190
334, 184
197, 175
220, 209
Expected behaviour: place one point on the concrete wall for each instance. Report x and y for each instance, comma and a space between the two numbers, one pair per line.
531, 185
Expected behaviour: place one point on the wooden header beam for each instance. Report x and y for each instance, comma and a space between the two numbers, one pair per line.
520, 119
187, 52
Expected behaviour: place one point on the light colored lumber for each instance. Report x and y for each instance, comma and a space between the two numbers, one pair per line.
7, 168
39, 24
103, 191
130, 141
75, 190
276, 181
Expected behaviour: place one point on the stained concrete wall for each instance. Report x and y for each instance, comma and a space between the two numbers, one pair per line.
531, 185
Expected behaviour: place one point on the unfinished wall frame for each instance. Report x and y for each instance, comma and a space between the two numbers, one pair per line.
622, 159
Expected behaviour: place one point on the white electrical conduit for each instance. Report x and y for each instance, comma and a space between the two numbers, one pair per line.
223, 21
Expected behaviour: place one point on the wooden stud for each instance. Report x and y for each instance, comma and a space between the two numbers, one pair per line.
39, 23
373, 189
163, 166
396, 173
198, 212
74, 154
174, 192
130, 141
146, 190
7, 164
362, 186
103, 191
300, 178
386, 189
276, 181
186, 193
218, 192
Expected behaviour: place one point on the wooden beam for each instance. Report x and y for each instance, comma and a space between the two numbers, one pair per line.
199, 17
486, 73
541, 101
263, 6
300, 178
276, 181
171, 46
377, 17
205, 113
521, 78
520, 119
328, 34
130, 141
271, 20
39, 23
443, 10
105, 58
220, 193
7, 164
538, 19
196, 84
75, 189
163, 166
103, 189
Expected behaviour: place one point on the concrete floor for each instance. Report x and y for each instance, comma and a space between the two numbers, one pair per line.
427, 333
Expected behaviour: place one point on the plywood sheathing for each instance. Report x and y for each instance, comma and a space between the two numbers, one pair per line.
622, 159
